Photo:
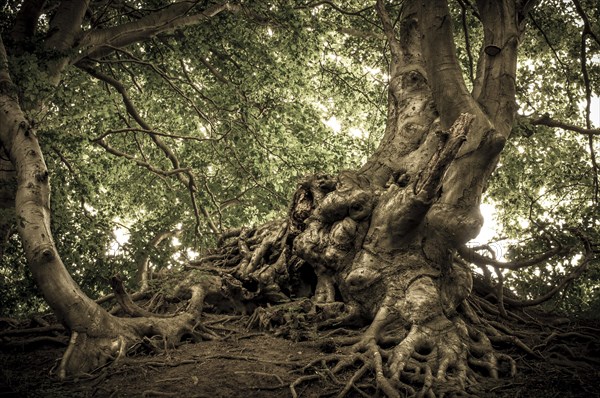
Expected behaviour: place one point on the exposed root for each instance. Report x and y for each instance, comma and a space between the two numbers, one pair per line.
438, 359
89, 350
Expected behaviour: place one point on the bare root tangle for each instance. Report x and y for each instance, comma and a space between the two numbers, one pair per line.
37, 331
363, 244
428, 362
319, 273
93, 349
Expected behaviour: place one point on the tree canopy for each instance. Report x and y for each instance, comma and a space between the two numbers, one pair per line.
241, 105
250, 101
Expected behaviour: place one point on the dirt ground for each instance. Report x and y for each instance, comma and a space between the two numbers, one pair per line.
246, 363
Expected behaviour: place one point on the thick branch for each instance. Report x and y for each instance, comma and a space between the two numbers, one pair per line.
32, 205
495, 88
390, 34
64, 31
5, 80
443, 70
472, 256
456, 137
66, 25
168, 19
26, 21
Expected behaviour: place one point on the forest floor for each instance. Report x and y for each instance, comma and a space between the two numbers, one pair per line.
247, 363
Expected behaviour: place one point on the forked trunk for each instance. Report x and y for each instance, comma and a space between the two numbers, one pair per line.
383, 239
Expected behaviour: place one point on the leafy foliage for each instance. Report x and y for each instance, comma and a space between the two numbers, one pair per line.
251, 102
242, 101
545, 185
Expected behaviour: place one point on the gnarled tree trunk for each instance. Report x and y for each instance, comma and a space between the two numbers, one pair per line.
382, 240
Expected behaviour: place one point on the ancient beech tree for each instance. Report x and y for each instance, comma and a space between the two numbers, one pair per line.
382, 246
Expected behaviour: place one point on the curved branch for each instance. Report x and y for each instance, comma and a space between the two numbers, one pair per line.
143, 264
568, 278
154, 132
546, 120
32, 205
141, 163
168, 79
549, 43
335, 7
472, 256
587, 31
587, 26
177, 15
388, 29
588, 256
186, 178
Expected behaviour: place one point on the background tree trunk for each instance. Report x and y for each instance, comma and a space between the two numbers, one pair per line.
8, 185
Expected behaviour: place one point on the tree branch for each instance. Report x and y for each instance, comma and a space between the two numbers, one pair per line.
546, 120
335, 7
589, 255
164, 75
66, 25
26, 22
588, 32
463, 15
141, 163
177, 15
443, 70
65, 29
495, 84
154, 132
390, 34
143, 263
549, 43
186, 177
471, 255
